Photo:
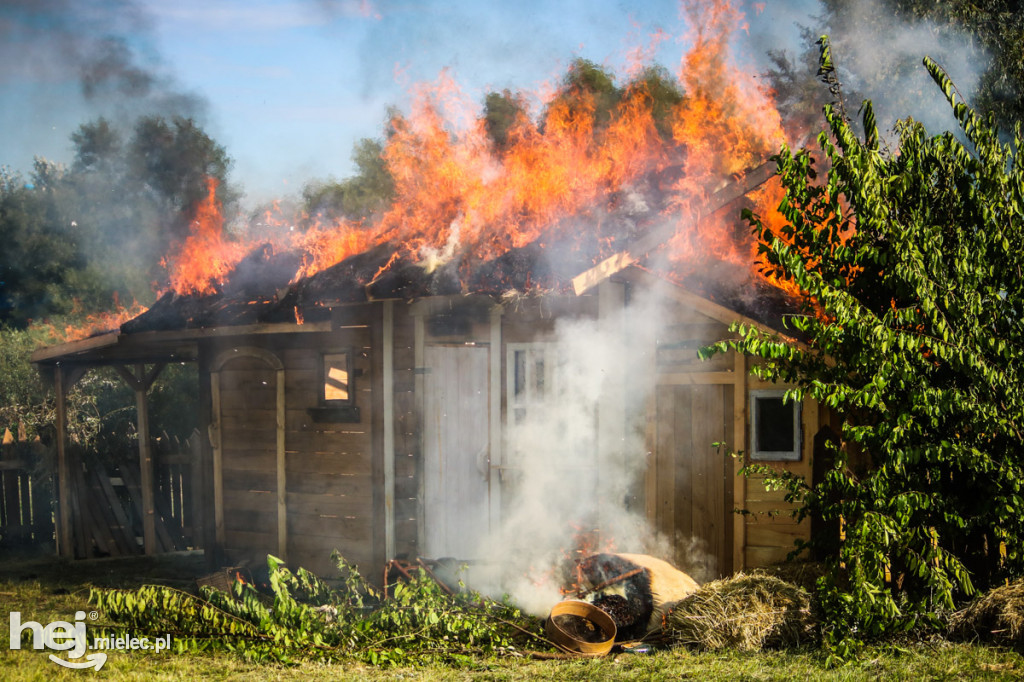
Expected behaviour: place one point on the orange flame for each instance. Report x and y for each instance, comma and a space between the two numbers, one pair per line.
205, 259
91, 325
456, 193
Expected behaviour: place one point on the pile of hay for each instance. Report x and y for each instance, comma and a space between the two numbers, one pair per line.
996, 616
745, 612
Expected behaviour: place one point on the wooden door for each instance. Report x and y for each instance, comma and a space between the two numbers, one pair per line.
456, 462
246, 458
689, 476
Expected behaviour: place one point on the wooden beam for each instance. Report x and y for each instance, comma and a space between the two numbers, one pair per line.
143, 380
282, 483
145, 459
496, 456
71, 347
659, 235
64, 539
218, 464
388, 380
695, 378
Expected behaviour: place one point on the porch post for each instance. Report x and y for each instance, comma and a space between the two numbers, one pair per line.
145, 468
140, 383
64, 547
388, 381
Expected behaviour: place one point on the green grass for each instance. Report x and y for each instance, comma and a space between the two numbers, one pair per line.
45, 589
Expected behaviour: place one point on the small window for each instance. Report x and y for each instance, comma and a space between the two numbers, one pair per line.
337, 378
774, 427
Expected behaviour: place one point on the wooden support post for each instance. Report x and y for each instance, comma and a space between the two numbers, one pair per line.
140, 382
739, 482
216, 429
388, 381
377, 430
494, 417
282, 486
145, 470
419, 360
64, 548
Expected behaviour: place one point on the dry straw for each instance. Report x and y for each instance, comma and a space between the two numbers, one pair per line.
745, 612
998, 615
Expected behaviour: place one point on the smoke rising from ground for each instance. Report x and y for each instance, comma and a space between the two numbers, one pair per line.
573, 466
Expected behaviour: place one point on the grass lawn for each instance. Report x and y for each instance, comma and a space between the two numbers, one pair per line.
46, 590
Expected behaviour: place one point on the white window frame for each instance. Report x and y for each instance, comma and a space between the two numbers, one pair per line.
794, 455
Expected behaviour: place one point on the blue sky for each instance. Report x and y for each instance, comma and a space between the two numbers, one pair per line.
287, 86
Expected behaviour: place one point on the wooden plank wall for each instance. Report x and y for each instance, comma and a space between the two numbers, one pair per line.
248, 389
771, 529
328, 466
407, 436
693, 386
691, 482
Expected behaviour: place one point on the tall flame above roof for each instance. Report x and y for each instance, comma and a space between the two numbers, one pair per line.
560, 172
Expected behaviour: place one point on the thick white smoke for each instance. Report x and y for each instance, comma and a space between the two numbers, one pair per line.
575, 450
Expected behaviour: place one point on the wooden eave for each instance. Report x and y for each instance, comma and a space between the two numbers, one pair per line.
715, 311
180, 345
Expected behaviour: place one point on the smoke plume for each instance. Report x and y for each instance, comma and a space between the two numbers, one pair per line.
576, 451
72, 62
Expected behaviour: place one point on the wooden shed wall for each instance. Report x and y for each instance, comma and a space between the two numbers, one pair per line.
328, 466
407, 435
771, 530
697, 403
337, 478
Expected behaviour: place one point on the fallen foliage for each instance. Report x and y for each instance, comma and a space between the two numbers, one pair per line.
302, 618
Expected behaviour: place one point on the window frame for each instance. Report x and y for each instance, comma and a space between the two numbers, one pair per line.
794, 455
349, 354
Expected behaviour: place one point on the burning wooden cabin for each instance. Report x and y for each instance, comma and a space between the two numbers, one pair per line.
373, 407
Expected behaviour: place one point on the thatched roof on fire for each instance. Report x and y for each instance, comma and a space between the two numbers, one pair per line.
263, 290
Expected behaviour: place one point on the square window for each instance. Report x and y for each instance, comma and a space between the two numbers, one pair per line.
337, 378
774, 427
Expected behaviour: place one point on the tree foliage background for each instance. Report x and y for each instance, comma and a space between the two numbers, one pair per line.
911, 261
82, 240
879, 44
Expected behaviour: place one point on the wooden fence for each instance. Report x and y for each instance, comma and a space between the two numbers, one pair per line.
111, 521
26, 496
106, 500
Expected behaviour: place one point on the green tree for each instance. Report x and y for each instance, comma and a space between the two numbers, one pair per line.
588, 90
663, 93
171, 161
503, 112
911, 263
41, 253
369, 191
133, 193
